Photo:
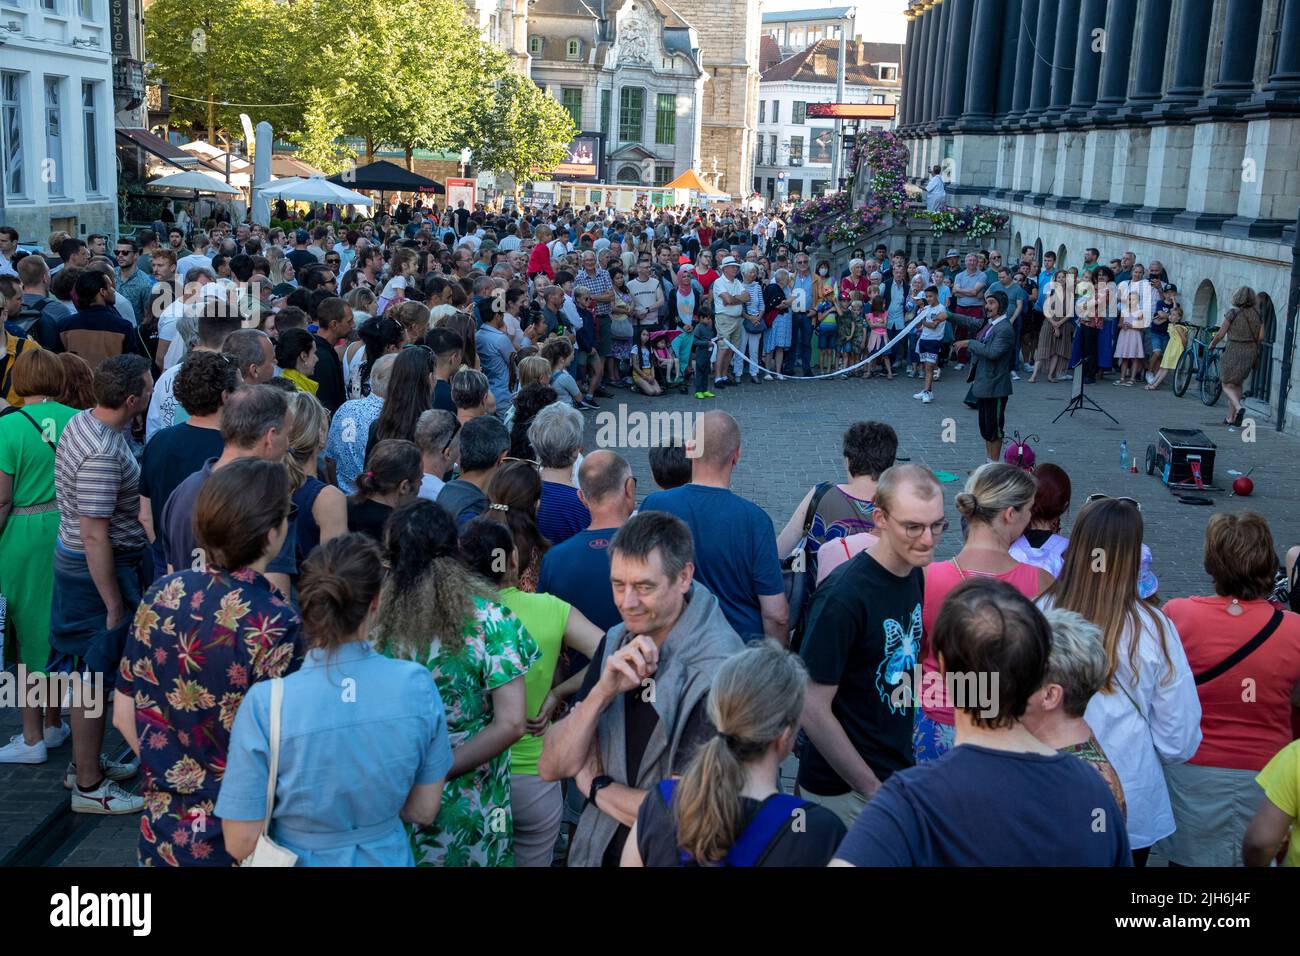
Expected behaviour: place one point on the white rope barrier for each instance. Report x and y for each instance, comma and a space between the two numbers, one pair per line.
884, 349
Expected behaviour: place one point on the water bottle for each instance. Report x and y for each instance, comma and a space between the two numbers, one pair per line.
1123, 454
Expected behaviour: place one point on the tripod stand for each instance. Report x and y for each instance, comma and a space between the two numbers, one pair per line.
1079, 401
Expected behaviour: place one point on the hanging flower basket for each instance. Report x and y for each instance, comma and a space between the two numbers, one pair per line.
835, 219
973, 222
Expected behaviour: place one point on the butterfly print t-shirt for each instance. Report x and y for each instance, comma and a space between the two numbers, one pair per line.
864, 636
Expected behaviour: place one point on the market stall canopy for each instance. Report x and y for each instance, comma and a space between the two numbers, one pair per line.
199, 182
691, 180
314, 189
282, 166
383, 176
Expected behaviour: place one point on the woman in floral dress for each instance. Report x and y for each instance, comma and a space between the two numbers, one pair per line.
435, 611
199, 641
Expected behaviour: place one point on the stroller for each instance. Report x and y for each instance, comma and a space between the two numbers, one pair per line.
672, 351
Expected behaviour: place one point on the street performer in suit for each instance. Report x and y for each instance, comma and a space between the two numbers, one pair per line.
993, 354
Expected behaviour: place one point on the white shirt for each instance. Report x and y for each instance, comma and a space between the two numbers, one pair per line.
167, 321
162, 407
6, 267
927, 314
192, 261
430, 485
1161, 724
570, 312
934, 192
732, 287
508, 244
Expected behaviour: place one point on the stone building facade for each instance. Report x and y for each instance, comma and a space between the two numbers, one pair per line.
630, 70
729, 33
57, 119
1169, 128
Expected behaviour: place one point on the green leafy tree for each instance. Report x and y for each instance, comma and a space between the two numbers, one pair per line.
520, 130
318, 141
211, 52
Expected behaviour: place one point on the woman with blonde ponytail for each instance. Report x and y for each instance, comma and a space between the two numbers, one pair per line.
728, 809
997, 503
322, 508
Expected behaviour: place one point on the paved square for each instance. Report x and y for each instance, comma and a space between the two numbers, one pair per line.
791, 433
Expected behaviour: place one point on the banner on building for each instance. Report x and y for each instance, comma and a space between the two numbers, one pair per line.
119, 26
850, 111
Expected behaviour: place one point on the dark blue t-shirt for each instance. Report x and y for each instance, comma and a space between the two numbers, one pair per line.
735, 549
561, 513
172, 455
980, 807
577, 571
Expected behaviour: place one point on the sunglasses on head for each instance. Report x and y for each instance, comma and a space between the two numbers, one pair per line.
1098, 496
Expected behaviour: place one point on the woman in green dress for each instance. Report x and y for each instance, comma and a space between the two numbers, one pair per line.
435, 611
29, 522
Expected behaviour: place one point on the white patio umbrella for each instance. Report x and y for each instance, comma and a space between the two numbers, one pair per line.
200, 182
314, 189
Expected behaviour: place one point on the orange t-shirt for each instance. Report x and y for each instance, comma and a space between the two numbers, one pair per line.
1245, 712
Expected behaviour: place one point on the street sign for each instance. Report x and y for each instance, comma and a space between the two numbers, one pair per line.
850, 111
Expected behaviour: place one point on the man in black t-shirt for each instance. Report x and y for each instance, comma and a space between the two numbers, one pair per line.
1000, 797
863, 643
334, 322
642, 709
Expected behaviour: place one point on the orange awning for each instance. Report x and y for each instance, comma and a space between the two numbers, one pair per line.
689, 180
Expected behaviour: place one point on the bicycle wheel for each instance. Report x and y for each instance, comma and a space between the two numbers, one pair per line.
1183, 372
1211, 386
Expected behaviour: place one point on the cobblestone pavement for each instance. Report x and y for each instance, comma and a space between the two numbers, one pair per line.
791, 434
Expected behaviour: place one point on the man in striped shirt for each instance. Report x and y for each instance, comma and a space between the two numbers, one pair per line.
99, 570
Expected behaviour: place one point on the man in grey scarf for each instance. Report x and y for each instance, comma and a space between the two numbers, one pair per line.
642, 708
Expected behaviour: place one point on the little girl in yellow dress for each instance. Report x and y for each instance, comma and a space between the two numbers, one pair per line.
1178, 337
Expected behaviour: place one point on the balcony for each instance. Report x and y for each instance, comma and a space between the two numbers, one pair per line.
128, 83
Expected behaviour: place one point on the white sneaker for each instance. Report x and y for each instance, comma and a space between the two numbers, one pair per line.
921, 394
1015, 377
936, 374
20, 751
927, 398
959, 366
1150, 377
112, 769
911, 373
55, 736
108, 797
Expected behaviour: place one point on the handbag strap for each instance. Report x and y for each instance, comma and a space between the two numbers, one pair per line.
12, 409
1241, 653
277, 704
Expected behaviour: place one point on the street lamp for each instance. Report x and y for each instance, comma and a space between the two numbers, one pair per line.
845, 23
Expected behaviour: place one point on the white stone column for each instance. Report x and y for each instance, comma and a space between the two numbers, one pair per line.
1129, 169
975, 158
1214, 182
1168, 167
1005, 162
1098, 167
1043, 176
1272, 147
1069, 164
1022, 167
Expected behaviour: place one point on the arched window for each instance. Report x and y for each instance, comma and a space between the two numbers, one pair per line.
535, 46
1205, 306
1060, 257
573, 50
629, 175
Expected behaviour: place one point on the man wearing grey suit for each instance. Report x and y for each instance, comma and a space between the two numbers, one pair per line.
992, 354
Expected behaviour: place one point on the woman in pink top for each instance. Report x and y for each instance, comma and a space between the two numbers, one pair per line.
855, 281
997, 505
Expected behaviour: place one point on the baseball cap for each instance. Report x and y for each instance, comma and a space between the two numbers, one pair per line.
683, 260
302, 236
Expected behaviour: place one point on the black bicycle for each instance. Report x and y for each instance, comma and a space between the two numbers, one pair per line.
1202, 362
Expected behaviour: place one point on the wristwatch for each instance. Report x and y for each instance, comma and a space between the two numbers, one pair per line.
598, 784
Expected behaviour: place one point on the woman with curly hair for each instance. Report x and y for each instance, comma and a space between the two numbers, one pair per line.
435, 611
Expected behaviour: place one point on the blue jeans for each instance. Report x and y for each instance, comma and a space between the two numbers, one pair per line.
78, 638
800, 343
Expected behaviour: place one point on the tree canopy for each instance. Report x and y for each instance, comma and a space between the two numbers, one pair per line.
401, 74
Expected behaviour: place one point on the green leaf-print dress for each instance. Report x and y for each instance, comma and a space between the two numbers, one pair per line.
474, 825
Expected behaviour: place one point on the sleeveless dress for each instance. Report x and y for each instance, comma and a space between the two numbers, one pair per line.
933, 734
307, 528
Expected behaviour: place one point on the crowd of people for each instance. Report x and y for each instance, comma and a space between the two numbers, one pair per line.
318, 511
